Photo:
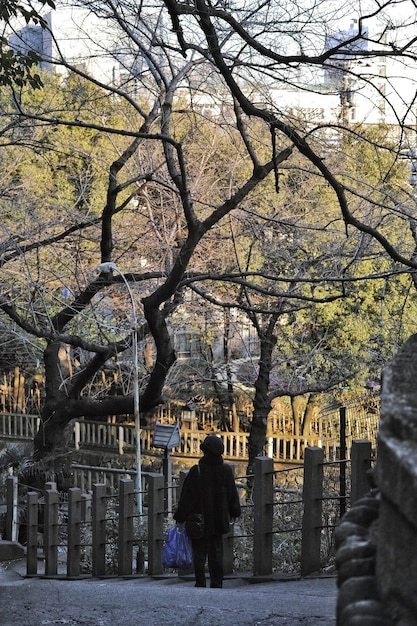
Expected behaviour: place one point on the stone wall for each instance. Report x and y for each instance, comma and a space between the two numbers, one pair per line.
358, 601
376, 541
396, 475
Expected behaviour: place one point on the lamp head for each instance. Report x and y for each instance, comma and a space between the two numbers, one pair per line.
108, 267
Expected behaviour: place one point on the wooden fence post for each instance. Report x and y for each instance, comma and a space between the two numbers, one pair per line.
360, 457
99, 530
51, 529
263, 499
77, 435
11, 530
74, 532
156, 489
120, 438
125, 539
32, 534
312, 516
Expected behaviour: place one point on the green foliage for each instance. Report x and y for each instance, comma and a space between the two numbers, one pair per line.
16, 458
14, 8
283, 253
16, 67
53, 178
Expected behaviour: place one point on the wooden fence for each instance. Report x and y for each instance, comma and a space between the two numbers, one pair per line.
18, 426
137, 540
120, 438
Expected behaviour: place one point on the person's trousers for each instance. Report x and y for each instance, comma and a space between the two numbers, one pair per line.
210, 548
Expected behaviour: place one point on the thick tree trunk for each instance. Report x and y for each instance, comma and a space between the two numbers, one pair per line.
302, 408
308, 415
64, 403
297, 403
216, 386
261, 401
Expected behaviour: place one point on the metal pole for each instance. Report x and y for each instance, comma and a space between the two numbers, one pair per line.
137, 420
342, 475
108, 267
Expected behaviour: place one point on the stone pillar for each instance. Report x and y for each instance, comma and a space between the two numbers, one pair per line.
99, 530
74, 532
125, 538
11, 533
396, 475
51, 529
32, 534
263, 501
360, 456
313, 506
155, 523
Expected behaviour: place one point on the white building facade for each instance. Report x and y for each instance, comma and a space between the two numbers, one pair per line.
79, 38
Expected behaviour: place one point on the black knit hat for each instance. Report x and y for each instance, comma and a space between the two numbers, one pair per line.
213, 445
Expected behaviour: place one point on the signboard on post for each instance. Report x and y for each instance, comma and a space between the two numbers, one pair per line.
167, 436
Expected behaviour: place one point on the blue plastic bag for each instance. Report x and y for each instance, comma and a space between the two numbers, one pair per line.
177, 551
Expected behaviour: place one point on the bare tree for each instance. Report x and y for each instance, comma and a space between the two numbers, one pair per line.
175, 56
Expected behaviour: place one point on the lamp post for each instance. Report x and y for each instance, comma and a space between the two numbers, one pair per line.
106, 268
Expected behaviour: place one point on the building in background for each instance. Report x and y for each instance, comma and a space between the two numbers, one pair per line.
83, 41
376, 90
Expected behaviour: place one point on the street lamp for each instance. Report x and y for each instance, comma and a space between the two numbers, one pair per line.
106, 268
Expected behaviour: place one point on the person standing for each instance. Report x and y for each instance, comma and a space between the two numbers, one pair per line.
210, 489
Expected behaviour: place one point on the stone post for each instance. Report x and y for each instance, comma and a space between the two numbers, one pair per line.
155, 522
228, 545
263, 501
360, 457
51, 529
11, 508
313, 504
99, 530
125, 539
32, 534
74, 532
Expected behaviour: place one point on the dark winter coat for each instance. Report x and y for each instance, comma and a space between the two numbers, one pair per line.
211, 490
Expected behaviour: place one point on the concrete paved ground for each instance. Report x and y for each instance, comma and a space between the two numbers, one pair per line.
166, 601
